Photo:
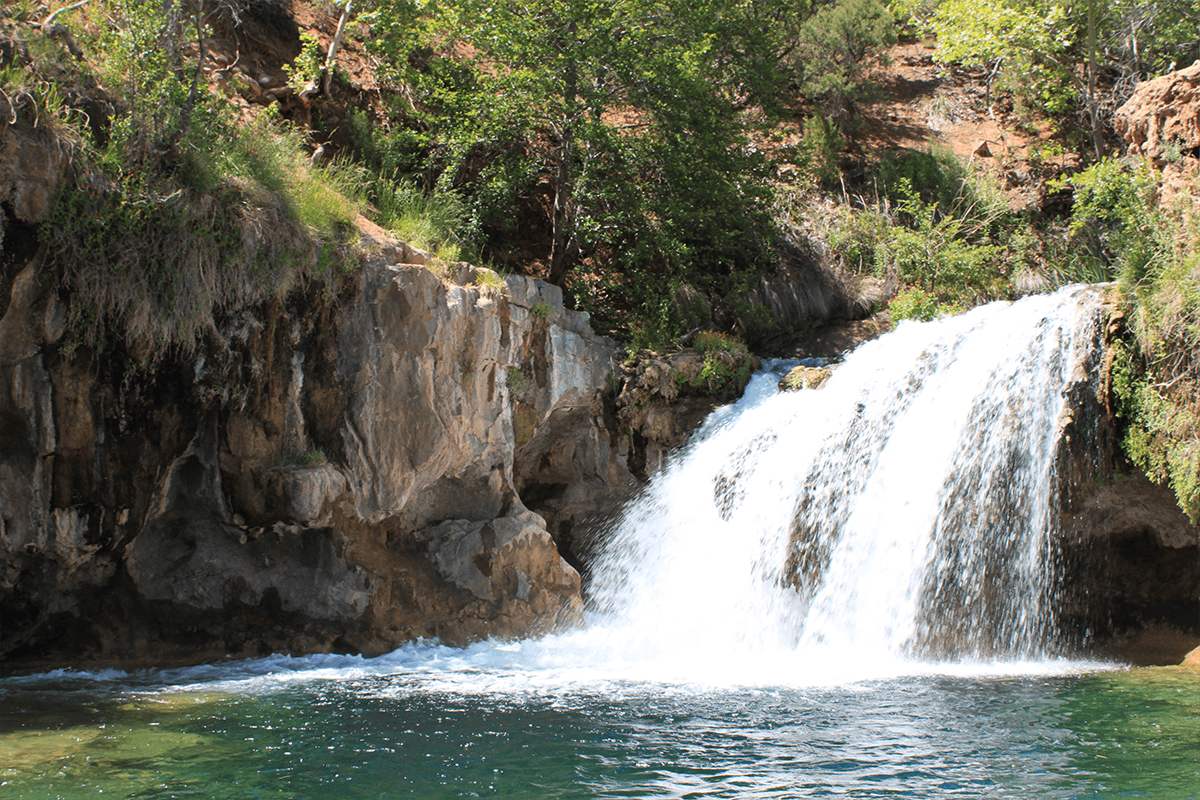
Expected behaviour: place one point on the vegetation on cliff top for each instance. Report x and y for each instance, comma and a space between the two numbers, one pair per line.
636, 152
173, 213
1155, 359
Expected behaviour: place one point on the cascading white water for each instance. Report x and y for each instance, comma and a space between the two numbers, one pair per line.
904, 511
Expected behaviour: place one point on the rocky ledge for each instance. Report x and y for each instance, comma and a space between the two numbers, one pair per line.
356, 493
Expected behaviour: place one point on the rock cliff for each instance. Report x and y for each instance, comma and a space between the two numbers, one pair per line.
1161, 120
336, 471
1130, 557
405, 454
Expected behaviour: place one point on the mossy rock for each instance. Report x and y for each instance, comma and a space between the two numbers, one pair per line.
804, 378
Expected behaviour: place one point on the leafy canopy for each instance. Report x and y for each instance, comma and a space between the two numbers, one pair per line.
629, 121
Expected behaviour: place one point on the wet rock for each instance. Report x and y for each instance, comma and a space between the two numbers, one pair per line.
1131, 557
186, 566
511, 571
1192, 659
171, 506
802, 377
435, 374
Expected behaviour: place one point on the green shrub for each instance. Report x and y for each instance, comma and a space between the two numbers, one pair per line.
1160, 433
938, 177
515, 379
727, 362
819, 151
182, 212
915, 303
307, 66
939, 253
1024, 41
834, 48
1115, 223
520, 119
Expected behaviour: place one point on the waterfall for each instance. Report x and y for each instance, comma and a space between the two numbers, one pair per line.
904, 511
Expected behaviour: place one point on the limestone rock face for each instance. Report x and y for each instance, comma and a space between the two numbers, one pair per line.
360, 493
511, 574
31, 170
444, 382
1162, 114
1132, 557
664, 398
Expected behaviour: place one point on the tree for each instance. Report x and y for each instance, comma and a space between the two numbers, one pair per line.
1023, 40
831, 50
601, 100
1040, 48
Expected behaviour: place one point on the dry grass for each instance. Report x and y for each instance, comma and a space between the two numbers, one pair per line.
160, 262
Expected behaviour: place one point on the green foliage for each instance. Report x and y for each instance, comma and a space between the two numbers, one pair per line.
312, 458
834, 48
937, 253
1115, 224
623, 122
541, 309
727, 362
161, 260
857, 235
1041, 49
180, 213
430, 220
1147, 37
490, 282
27, 101
1161, 435
912, 302
1023, 41
171, 124
515, 379
388, 151
307, 66
819, 152
934, 226
938, 177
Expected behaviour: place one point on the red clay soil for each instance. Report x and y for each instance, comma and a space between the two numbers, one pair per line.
919, 104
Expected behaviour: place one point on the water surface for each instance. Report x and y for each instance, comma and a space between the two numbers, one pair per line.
844, 593
431, 722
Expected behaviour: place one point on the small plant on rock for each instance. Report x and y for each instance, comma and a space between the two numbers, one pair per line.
727, 362
515, 379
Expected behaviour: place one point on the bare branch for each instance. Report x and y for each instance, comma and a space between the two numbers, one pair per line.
50, 19
330, 61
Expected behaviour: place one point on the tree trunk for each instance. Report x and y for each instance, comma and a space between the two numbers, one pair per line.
564, 190
331, 59
1093, 103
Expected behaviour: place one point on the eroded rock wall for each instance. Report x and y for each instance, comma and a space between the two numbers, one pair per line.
1131, 557
335, 472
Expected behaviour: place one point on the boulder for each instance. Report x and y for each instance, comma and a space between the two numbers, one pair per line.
803, 377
